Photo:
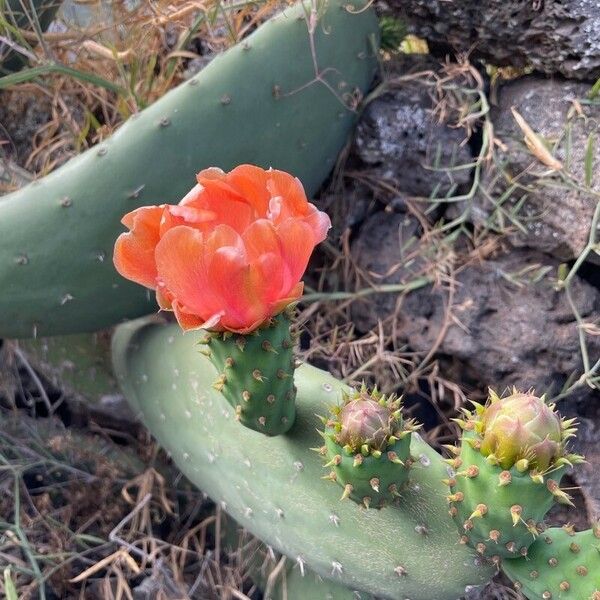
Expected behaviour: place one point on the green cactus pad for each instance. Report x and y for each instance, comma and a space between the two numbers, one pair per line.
260, 102
374, 482
367, 447
273, 486
561, 565
280, 581
256, 374
498, 512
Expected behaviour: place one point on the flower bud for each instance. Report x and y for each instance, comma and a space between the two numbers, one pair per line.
365, 421
521, 426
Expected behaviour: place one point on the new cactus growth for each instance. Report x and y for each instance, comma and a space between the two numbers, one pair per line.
256, 373
367, 447
228, 259
561, 565
507, 472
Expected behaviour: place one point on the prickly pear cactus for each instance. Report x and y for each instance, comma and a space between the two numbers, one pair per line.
273, 486
256, 373
261, 102
561, 565
367, 447
508, 472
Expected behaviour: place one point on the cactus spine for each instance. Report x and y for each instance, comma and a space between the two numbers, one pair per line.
251, 104
256, 373
507, 473
367, 447
273, 486
561, 564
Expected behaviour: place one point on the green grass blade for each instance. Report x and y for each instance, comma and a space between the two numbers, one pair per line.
589, 160
33, 73
9, 587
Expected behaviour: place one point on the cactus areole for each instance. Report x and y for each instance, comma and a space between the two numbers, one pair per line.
507, 472
229, 258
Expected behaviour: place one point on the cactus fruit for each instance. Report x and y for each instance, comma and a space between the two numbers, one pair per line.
508, 472
256, 373
367, 447
561, 565
273, 486
251, 104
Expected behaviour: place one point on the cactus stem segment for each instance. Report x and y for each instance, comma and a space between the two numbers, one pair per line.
254, 378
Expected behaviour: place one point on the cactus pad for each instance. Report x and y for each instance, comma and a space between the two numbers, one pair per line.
256, 374
260, 102
273, 486
367, 447
561, 565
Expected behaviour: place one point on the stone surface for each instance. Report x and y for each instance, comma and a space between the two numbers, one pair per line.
553, 36
398, 138
397, 233
12, 176
556, 217
586, 443
509, 325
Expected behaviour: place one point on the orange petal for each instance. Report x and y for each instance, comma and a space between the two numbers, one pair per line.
134, 251
298, 243
181, 266
241, 288
319, 222
251, 182
261, 237
293, 296
164, 298
190, 322
286, 186
218, 200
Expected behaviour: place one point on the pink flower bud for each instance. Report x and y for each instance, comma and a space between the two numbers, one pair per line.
521, 426
364, 421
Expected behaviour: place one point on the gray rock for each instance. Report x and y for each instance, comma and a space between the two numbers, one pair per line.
556, 216
553, 36
11, 175
383, 252
502, 333
398, 138
586, 443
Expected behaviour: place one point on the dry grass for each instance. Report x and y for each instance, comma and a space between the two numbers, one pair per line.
82, 518
92, 79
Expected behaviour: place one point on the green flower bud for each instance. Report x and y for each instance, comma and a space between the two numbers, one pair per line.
521, 427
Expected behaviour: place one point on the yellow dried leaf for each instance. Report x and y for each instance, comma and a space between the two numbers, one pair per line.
535, 144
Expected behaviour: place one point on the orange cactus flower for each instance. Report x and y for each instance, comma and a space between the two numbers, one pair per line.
231, 254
